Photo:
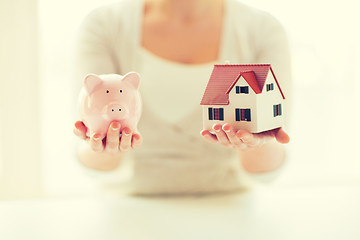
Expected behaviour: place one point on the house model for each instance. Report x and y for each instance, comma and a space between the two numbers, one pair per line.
247, 96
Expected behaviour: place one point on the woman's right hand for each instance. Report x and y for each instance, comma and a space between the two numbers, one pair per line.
113, 143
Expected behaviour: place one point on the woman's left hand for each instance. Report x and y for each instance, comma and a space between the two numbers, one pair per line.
243, 140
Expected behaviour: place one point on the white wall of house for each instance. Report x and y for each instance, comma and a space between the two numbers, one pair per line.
265, 102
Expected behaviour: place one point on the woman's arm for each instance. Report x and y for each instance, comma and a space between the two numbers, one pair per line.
272, 47
266, 158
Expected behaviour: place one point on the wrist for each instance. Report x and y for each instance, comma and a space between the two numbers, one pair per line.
102, 161
265, 158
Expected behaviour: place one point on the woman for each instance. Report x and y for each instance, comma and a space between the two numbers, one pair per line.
173, 44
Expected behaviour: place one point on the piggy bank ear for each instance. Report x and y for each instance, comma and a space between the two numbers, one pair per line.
91, 82
133, 78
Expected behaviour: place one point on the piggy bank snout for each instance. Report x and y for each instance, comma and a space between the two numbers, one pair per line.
117, 111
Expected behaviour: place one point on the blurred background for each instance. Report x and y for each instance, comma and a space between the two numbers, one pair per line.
37, 107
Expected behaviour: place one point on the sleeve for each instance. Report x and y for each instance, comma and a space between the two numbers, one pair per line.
272, 46
95, 51
95, 54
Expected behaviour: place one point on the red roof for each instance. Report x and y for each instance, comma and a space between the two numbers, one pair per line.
224, 77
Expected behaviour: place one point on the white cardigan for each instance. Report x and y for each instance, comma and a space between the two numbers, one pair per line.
110, 42
111, 36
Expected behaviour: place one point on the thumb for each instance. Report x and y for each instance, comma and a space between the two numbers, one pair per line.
281, 136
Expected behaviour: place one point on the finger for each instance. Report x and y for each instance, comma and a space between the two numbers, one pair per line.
96, 143
125, 141
208, 136
248, 138
80, 130
221, 136
112, 137
136, 140
281, 136
231, 135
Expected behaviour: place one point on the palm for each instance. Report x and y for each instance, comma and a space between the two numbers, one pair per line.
227, 136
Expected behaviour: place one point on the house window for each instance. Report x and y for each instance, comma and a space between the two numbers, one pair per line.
216, 114
270, 87
243, 114
210, 114
277, 110
244, 89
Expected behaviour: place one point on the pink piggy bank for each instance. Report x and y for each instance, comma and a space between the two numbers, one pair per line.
107, 98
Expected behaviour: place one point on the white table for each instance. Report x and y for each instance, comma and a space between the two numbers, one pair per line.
265, 213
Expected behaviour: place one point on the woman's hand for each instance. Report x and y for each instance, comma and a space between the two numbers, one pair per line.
259, 152
113, 143
241, 139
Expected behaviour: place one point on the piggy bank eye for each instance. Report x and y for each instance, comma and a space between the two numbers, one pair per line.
120, 91
107, 91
